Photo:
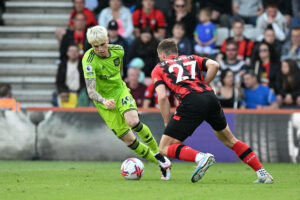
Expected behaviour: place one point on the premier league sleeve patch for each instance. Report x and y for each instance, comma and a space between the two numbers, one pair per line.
89, 70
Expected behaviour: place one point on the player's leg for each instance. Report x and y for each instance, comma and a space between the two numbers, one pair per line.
137, 147
217, 120
116, 122
178, 129
127, 107
245, 153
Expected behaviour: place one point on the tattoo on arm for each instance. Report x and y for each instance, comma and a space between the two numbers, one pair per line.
91, 89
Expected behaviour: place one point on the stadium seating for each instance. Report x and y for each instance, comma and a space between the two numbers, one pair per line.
29, 50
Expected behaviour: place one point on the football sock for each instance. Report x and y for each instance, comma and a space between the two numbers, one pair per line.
145, 134
143, 151
182, 152
159, 157
245, 153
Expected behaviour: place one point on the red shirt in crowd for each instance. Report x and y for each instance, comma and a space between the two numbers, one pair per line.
79, 41
89, 15
244, 47
151, 95
182, 75
155, 19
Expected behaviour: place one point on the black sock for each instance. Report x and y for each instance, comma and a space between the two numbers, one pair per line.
160, 157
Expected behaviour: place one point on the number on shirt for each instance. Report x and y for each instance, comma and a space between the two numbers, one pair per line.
180, 76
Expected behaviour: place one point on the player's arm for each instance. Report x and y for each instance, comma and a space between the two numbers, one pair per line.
212, 69
163, 102
94, 95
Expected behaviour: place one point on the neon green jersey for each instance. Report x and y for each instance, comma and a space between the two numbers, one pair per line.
109, 83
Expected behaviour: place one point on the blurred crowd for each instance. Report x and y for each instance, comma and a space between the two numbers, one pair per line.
260, 73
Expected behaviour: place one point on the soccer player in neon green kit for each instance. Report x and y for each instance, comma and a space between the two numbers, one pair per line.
102, 71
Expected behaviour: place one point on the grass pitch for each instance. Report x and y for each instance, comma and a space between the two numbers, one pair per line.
41, 180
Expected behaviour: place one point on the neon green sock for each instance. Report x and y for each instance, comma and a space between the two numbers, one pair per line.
145, 134
143, 151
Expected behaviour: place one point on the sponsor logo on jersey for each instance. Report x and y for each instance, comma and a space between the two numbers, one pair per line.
117, 62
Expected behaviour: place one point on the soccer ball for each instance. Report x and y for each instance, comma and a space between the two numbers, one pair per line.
132, 169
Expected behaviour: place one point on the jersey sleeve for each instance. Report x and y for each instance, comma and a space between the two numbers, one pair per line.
161, 22
88, 69
156, 76
201, 62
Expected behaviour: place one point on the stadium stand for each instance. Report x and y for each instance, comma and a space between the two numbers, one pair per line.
29, 50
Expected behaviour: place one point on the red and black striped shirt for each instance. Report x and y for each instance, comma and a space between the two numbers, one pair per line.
182, 75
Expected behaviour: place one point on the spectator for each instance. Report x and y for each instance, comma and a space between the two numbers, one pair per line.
245, 45
266, 64
137, 89
205, 34
121, 14
90, 19
184, 44
101, 5
115, 38
151, 99
221, 11
69, 78
144, 47
272, 16
284, 6
256, 95
138, 63
247, 10
288, 84
291, 48
76, 36
148, 16
6, 100
180, 13
79, 8
228, 94
295, 22
231, 62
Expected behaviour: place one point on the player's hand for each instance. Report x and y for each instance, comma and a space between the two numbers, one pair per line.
110, 104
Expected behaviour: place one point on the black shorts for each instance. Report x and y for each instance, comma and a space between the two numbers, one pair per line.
195, 108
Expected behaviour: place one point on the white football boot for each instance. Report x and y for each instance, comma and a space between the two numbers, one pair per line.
165, 168
264, 177
207, 161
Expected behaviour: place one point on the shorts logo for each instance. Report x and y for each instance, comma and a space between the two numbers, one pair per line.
89, 68
117, 62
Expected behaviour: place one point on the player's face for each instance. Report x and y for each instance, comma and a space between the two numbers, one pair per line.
101, 48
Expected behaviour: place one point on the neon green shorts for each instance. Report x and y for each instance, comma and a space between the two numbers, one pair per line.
115, 118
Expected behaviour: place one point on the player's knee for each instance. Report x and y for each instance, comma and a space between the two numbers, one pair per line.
133, 122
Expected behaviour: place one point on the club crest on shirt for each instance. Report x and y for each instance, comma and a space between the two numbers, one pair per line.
117, 62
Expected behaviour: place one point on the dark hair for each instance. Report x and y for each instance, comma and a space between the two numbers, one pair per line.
5, 90
273, 54
250, 72
223, 75
181, 24
289, 80
232, 42
238, 20
269, 27
168, 46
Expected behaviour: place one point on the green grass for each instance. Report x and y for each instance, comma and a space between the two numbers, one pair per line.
102, 180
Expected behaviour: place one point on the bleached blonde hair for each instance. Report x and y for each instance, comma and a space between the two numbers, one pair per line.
96, 34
